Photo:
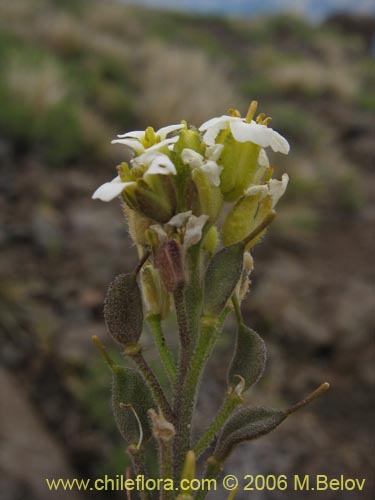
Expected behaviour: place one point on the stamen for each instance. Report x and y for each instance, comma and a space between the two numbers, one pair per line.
234, 112
252, 110
267, 120
260, 117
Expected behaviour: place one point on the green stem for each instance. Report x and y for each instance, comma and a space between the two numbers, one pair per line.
154, 320
194, 292
237, 309
231, 402
182, 319
139, 466
182, 438
152, 381
213, 469
210, 328
165, 449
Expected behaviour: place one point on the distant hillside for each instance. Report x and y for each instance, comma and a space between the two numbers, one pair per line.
314, 9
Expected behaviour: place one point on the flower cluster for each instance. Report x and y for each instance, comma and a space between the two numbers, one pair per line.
184, 180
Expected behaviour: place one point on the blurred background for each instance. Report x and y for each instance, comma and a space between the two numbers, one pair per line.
73, 74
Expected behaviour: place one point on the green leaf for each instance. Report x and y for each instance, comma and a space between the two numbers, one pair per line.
249, 358
245, 425
129, 388
222, 276
123, 310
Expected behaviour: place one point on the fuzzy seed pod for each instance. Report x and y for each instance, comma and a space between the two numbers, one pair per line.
249, 359
131, 400
245, 425
123, 310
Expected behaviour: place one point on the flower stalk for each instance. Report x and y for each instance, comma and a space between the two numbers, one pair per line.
196, 202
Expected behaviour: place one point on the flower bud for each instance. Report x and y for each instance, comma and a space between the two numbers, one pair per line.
210, 199
188, 138
169, 263
155, 199
154, 293
211, 240
138, 225
240, 162
244, 217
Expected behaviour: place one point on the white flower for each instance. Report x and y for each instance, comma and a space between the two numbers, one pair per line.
157, 163
277, 188
273, 188
194, 228
208, 165
179, 219
136, 138
243, 131
110, 190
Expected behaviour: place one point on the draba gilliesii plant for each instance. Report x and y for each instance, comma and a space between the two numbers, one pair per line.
196, 202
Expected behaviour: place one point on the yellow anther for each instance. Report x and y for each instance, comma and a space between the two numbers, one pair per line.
234, 112
252, 110
267, 120
260, 117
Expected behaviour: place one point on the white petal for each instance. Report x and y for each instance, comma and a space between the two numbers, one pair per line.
161, 164
132, 143
219, 120
257, 189
179, 219
213, 152
160, 144
213, 127
279, 143
263, 159
251, 132
191, 158
137, 134
213, 172
194, 228
110, 190
277, 188
163, 237
164, 131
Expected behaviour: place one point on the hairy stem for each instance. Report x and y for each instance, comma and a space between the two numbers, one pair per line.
231, 402
139, 466
213, 469
156, 389
210, 328
154, 320
165, 463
